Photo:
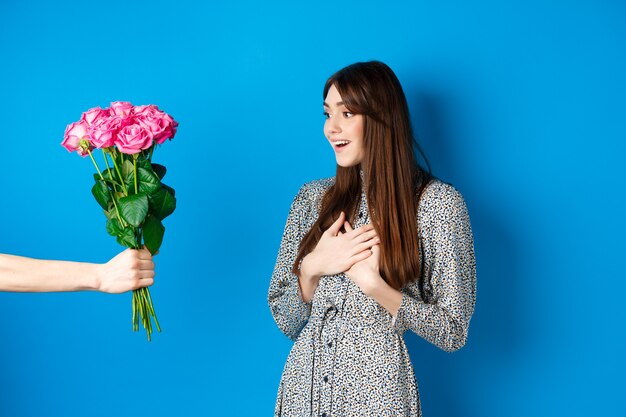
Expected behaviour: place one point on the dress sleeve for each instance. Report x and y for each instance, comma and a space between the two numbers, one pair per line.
449, 272
290, 312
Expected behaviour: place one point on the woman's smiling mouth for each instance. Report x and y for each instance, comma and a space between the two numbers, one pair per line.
338, 144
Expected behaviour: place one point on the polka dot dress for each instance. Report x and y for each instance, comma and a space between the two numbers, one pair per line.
349, 357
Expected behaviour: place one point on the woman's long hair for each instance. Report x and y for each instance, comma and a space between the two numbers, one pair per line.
392, 177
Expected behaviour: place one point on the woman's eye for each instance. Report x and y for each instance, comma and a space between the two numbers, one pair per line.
347, 114
326, 115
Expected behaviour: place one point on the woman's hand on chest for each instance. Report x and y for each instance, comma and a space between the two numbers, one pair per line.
338, 251
366, 275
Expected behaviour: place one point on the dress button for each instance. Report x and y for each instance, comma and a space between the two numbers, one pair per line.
360, 214
325, 379
330, 344
323, 414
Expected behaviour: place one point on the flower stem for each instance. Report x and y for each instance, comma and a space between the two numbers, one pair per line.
156, 321
119, 174
117, 210
144, 309
95, 164
134, 317
106, 162
135, 168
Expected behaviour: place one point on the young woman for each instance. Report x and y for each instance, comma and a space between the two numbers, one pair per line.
380, 248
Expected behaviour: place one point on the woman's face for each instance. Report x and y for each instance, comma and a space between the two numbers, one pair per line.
344, 130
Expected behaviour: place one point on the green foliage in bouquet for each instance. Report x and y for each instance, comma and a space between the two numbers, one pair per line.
135, 202
129, 190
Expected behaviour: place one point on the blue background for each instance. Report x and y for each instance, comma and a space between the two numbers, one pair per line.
521, 105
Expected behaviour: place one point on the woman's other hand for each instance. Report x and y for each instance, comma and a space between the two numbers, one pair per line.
366, 273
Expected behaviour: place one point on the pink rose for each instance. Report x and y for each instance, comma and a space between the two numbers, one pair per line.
159, 123
76, 138
132, 139
95, 115
121, 109
172, 127
104, 131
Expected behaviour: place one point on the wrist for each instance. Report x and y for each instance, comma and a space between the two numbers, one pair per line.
94, 278
385, 295
307, 272
375, 285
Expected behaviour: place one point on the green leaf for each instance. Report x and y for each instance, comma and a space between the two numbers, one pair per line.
128, 169
162, 203
153, 231
128, 174
133, 208
148, 181
101, 193
110, 176
159, 170
143, 162
128, 238
114, 228
111, 213
170, 189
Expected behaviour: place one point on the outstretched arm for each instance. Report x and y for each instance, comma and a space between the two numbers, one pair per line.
129, 270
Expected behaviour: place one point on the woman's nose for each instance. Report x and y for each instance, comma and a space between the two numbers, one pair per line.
333, 125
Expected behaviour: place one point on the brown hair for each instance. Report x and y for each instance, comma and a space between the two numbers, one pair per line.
393, 179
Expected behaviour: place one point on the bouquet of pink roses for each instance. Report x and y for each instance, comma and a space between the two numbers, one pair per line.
129, 190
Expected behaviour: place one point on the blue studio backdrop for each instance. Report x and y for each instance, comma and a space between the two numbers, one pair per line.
520, 105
